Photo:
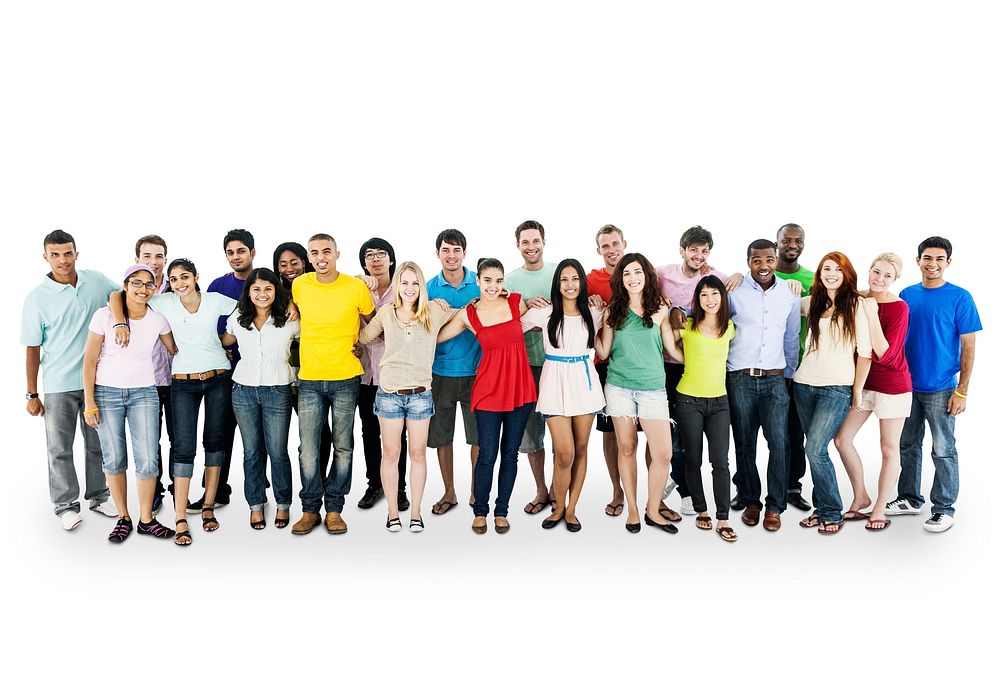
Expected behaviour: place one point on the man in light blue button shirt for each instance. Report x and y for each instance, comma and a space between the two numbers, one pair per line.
764, 352
54, 325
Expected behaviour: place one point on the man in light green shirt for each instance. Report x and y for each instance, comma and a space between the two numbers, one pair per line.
533, 280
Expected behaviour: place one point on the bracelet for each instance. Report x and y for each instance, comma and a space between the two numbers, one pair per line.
88, 412
960, 394
120, 324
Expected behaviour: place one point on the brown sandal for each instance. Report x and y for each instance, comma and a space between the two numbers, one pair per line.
727, 534
703, 522
810, 521
182, 538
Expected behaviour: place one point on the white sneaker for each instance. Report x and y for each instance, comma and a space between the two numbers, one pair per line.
687, 506
107, 508
900, 507
70, 519
938, 523
670, 487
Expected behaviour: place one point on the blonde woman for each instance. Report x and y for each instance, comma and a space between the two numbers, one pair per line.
409, 326
887, 393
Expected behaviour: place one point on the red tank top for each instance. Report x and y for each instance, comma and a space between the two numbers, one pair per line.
503, 380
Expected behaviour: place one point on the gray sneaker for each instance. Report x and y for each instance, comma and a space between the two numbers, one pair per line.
900, 507
938, 523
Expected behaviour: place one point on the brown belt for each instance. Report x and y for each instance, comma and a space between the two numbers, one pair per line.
201, 376
409, 392
754, 372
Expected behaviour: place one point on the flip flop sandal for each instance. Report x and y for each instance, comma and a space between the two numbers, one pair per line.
182, 534
878, 524
671, 515
855, 516
810, 521
536, 506
614, 510
727, 534
443, 507
703, 522
830, 527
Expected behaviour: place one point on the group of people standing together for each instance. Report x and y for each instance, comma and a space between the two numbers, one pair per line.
802, 354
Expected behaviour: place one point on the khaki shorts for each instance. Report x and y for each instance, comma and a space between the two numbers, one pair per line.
887, 406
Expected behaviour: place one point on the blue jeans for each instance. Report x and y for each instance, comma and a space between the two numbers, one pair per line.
759, 403
141, 407
185, 400
822, 410
264, 414
932, 408
490, 425
316, 400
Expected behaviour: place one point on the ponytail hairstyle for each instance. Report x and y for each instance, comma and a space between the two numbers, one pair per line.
279, 308
488, 263
845, 303
188, 266
555, 324
423, 308
698, 313
652, 298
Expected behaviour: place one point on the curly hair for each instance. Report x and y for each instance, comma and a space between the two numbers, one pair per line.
652, 298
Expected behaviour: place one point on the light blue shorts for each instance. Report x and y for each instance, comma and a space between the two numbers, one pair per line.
412, 406
632, 403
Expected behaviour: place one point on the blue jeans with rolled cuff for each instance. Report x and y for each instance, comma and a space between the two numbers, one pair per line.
186, 396
141, 408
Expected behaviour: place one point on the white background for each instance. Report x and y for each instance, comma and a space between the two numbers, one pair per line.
872, 125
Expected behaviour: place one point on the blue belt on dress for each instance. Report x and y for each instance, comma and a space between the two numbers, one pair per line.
574, 358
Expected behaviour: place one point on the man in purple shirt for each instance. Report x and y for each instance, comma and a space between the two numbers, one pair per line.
763, 354
239, 247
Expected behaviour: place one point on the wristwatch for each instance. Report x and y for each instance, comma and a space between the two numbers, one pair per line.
29, 396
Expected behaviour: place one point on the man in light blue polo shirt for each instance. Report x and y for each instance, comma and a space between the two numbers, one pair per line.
54, 329
455, 363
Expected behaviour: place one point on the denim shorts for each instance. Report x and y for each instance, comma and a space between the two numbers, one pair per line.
632, 403
413, 406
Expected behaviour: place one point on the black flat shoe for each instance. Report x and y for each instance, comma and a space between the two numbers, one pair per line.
665, 527
573, 527
551, 522
737, 504
403, 502
798, 501
371, 496
633, 527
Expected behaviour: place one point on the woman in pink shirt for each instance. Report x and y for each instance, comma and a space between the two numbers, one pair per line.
887, 393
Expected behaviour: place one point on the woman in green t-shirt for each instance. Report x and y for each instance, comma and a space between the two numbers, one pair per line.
632, 342
702, 406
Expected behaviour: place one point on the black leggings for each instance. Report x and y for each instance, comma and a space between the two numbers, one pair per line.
699, 418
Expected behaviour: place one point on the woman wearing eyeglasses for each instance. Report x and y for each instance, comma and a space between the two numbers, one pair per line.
120, 385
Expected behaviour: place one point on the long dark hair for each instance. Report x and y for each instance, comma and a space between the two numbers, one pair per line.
555, 295
279, 307
296, 249
188, 266
698, 313
652, 298
845, 303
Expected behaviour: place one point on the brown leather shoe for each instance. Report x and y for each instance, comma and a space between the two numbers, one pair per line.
335, 524
306, 523
751, 515
772, 521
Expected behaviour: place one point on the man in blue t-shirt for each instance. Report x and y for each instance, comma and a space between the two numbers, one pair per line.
941, 341
239, 247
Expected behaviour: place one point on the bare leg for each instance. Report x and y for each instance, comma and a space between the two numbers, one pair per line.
660, 449
118, 486
890, 432
844, 442
390, 431
147, 489
628, 441
473, 457
416, 433
610, 443
561, 431
182, 487
536, 459
582, 424
446, 461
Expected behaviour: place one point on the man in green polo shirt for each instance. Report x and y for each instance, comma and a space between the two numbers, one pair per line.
54, 329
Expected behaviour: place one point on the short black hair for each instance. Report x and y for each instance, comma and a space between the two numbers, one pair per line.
377, 244
761, 244
935, 241
238, 235
58, 237
452, 237
529, 225
696, 235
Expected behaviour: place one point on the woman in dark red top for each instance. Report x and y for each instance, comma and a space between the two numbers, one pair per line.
504, 393
887, 393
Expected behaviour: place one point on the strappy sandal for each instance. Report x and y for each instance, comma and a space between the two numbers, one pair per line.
257, 525
703, 522
727, 533
810, 521
209, 523
122, 529
182, 538
280, 522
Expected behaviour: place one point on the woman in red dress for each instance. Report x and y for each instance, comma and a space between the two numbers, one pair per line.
504, 392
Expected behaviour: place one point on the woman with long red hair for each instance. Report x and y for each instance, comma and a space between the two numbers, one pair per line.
830, 380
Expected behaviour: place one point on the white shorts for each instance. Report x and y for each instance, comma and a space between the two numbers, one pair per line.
887, 406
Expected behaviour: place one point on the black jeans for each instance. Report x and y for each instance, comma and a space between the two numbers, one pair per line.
699, 418
165, 412
371, 439
796, 445
678, 473
228, 434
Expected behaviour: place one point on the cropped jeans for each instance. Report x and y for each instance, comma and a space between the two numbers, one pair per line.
185, 399
141, 408
316, 401
264, 414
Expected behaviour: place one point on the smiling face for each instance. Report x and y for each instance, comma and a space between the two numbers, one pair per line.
490, 282
182, 281
932, 262
240, 257
62, 261
695, 257
710, 300
611, 247
569, 283
290, 265
634, 278
831, 275
409, 287
262, 293
451, 256
323, 255
881, 276
153, 256
762, 263
530, 245
139, 287
791, 242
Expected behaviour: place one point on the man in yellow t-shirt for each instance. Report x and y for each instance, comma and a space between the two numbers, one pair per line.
331, 305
